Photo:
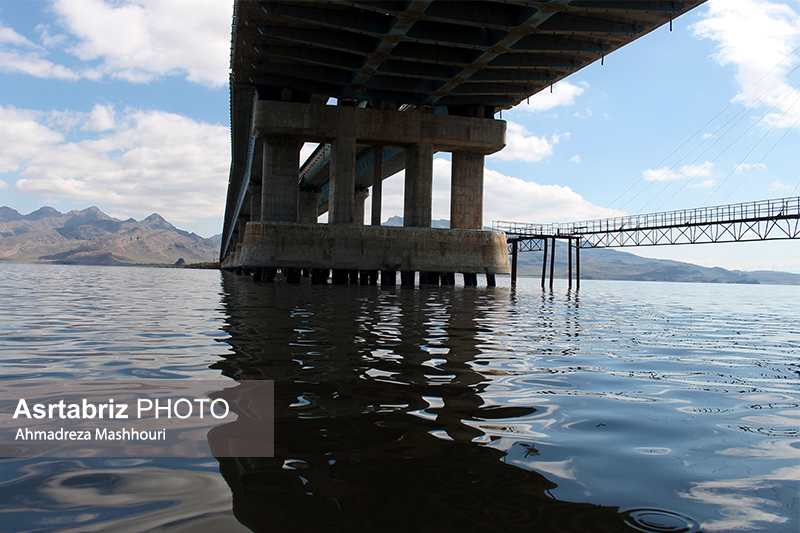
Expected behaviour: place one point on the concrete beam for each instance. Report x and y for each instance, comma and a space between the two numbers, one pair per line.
284, 245
323, 123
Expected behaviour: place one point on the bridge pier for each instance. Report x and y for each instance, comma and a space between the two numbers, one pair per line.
283, 232
361, 195
279, 191
377, 184
418, 186
307, 211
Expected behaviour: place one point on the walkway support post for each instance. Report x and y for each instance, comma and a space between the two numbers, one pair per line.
552, 261
544, 260
569, 263
514, 250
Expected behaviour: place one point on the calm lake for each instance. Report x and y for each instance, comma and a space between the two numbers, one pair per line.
624, 406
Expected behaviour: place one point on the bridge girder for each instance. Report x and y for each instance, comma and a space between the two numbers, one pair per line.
426, 52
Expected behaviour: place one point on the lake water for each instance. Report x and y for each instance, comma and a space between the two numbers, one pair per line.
624, 406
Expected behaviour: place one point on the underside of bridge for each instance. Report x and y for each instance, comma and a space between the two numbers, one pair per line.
408, 78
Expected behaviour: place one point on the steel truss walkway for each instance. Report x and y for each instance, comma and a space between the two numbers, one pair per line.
750, 221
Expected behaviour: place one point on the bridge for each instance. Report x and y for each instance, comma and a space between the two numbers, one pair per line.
408, 78
750, 221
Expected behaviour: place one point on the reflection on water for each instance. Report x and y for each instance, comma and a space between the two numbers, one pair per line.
378, 408
625, 407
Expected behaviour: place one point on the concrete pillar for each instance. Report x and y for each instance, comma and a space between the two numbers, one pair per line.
418, 186
279, 192
255, 200
360, 196
377, 184
307, 211
241, 224
342, 180
466, 191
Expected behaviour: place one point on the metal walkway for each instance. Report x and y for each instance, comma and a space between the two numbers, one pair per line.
750, 221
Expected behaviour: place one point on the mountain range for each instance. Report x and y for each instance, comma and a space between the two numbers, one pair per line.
90, 236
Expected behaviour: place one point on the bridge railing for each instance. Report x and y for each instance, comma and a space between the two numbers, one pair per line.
743, 212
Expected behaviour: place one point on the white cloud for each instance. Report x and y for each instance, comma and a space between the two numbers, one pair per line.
505, 198
745, 168
101, 119
510, 198
758, 38
522, 147
3, 185
701, 170
22, 137
778, 185
9, 36
575, 158
49, 41
564, 93
143, 162
705, 184
142, 40
20, 55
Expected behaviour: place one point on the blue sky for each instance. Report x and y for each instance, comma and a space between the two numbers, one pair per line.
124, 105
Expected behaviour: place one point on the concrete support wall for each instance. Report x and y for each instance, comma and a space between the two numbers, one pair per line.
377, 184
342, 180
361, 195
279, 192
350, 247
309, 202
466, 192
418, 186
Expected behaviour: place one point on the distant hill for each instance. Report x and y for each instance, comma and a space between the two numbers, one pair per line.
90, 236
608, 263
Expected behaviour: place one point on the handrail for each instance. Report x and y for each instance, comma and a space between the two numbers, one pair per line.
742, 212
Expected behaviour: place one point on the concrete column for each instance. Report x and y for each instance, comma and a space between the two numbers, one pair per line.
279, 192
466, 191
307, 211
360, 197
240, 226
255, 200
342, 180
377, 184
418, 186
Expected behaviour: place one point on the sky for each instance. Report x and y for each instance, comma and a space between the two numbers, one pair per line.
124, 104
